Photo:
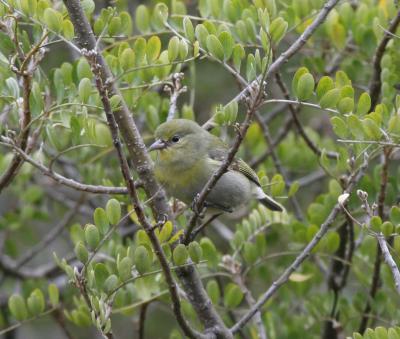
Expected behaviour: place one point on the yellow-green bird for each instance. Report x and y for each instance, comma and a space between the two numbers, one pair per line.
188, 156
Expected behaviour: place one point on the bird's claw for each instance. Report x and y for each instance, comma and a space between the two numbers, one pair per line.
195, 208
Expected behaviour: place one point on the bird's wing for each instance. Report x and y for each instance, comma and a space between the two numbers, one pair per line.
219, 154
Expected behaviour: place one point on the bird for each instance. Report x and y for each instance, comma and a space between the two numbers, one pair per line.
187, 157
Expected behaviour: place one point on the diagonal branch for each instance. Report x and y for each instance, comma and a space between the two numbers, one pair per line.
285, 56
144, 167
352, 182
375, 82
389, 260
294, 112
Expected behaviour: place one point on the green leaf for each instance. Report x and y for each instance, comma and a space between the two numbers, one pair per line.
83, 69
92, 236
345, 105
395, 215
230, 112
213, 291
53, 19
355, 126
142, 259
325, 84
183, 49
160, 15
101, 220
371, 129
332, 242
101, 273
277, 185
201, 35
387, 228
188, 29
238, 55
233, 295
88, 7
153, 48
36, 303
173, 48
115, 25
113, 210
140, 50
126, 23
17, 307
299, 73
195, 251
209, 251
394, 125
85, 89
294, 187
125, 268
81, 252
127, 59
227, 43
111, 283
339, 127
364, 104
214, 46
142, 17
265, 41
277, 29
342, 79
68, 29
250, 253
54, 295
180, 254
166, 232
330, 98
376, 223
305, 87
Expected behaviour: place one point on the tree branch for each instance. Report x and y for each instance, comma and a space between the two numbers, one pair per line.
285, 56
378, 256
374, 87
352, 182
389, 260
95, 189
294, 112
143, 165
174, 90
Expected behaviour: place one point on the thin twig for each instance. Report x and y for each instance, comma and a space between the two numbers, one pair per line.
95, 189
294, 112
53, 234
285, 56
200, 200
174, 90
278, 165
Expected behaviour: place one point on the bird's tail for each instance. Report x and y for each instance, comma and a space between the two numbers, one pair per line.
271, 204
267, 201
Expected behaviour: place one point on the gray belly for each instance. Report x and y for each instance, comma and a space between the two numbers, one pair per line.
231, 190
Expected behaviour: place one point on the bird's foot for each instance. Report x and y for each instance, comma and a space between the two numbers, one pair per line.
195, 208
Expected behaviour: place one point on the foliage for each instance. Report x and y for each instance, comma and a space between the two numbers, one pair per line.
59, 169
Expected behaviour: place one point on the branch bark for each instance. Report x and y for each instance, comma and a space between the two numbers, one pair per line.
374, 87
143, 165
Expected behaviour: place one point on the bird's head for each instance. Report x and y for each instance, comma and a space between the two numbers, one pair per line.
177, 138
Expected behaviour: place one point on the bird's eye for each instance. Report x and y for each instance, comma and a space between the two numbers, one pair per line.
175, 138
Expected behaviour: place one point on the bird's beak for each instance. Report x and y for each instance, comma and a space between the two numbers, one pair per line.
157, 145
